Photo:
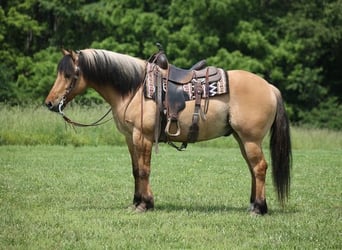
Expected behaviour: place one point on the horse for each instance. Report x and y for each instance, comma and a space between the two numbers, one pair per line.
250, 110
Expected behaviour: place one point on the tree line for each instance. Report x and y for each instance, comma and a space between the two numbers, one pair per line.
295, 45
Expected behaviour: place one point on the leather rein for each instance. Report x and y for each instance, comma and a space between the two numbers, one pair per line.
67, 119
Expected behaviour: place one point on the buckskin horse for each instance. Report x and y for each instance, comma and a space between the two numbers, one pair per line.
248, 110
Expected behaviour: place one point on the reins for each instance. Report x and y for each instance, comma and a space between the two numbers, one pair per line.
96, 123
78, 124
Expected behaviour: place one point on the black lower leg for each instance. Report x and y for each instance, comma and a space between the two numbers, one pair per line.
259, 207
143, 203
137, 199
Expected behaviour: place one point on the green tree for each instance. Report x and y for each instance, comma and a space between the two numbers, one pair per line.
296, 45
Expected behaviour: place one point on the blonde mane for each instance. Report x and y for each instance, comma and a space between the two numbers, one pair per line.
125, 73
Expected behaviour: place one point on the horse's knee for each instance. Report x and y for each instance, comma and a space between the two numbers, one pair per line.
144, 173
141, 173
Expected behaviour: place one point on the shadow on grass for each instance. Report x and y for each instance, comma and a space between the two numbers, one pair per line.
173, 207
168, 207
190, 208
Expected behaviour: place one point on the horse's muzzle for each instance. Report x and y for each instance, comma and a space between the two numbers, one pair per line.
52, 107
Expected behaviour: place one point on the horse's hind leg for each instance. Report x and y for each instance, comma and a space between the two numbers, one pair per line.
257, 164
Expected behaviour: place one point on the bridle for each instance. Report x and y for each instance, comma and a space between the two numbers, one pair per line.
62, 102
70, 88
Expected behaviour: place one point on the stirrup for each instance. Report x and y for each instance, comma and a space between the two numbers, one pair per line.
167, 128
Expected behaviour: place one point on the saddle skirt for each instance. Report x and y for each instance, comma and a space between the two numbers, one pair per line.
215, 82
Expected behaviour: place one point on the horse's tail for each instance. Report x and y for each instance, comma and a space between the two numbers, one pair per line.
281, 155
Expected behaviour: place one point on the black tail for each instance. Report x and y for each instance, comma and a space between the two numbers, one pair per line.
280, 145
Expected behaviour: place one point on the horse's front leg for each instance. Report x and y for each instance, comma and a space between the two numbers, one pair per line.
140, 149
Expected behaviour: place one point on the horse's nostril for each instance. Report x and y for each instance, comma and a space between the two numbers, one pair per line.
49, 105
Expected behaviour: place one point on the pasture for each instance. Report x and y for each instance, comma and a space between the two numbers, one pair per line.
72, 191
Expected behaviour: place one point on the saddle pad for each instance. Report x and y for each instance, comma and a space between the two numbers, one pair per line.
215, 88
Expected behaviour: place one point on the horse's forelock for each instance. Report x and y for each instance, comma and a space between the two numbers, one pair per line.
106, 67
66, 65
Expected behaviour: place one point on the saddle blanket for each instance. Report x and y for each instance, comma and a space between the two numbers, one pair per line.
215, 88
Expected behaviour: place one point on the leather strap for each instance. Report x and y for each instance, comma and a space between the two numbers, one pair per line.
159, 107
96, 123
194, 129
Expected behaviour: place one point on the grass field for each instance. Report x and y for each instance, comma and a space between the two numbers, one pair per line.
72, 192
65, 197
36, 125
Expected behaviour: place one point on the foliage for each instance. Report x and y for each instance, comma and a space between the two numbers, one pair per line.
296, 45
327, 112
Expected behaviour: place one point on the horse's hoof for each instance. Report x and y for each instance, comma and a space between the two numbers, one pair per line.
258, 208
131, 208
255, 214
140, 209
250, 208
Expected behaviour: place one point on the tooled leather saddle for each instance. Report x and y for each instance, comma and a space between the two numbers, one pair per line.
171, 87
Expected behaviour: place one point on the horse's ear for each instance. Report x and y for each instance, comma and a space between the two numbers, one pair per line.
65, 52
73, 55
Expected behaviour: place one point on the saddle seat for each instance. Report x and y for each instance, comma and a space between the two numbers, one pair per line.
184, 76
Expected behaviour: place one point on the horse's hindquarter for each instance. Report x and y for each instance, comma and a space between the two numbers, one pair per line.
252, 104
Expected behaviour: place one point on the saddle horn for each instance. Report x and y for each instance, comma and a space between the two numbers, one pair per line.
160, 57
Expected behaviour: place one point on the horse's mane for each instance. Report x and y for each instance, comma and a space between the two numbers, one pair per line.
123, 72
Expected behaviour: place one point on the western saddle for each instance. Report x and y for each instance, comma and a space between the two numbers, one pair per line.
170, 97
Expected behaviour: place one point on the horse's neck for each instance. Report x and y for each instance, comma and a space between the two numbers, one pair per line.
118, 102
111, 96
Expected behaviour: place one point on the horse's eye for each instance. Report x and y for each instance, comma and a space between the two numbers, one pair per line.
67, 75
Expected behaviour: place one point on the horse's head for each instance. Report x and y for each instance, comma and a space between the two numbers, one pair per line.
68, 84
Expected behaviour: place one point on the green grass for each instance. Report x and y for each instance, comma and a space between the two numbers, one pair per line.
61, 189
36, 125
66, 197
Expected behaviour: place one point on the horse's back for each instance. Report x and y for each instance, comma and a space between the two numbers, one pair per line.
252, 103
